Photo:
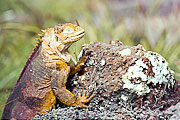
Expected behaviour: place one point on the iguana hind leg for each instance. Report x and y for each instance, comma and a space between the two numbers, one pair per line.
83, 99
65, 96
69, 99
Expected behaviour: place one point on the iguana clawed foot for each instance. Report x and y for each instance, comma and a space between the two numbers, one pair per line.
84, 98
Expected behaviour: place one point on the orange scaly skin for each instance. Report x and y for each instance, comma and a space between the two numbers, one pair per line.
44, 76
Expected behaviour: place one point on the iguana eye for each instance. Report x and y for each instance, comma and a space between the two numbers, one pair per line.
68, 30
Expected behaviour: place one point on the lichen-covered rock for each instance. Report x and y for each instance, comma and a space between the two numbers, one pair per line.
116, 67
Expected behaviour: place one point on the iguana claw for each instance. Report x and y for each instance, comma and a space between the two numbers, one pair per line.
84, 98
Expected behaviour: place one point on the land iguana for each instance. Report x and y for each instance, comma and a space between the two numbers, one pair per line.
43, 79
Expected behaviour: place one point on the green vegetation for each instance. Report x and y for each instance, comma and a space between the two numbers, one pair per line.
22, 20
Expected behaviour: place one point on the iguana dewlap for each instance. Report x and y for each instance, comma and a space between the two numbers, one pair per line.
44, 76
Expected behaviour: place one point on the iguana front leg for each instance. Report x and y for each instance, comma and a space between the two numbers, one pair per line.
76, 68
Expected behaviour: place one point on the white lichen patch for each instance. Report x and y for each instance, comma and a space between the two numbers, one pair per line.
162, 74
138, 88
91, 62
75, 82
123, 97
102, 62
125, 52
82, 77
136, 71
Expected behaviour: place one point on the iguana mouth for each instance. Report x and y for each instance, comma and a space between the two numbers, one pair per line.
74, 38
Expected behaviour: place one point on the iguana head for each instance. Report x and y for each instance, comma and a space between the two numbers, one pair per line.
66, 34
57, 40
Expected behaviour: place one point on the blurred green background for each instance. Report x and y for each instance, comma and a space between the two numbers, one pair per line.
154, 24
